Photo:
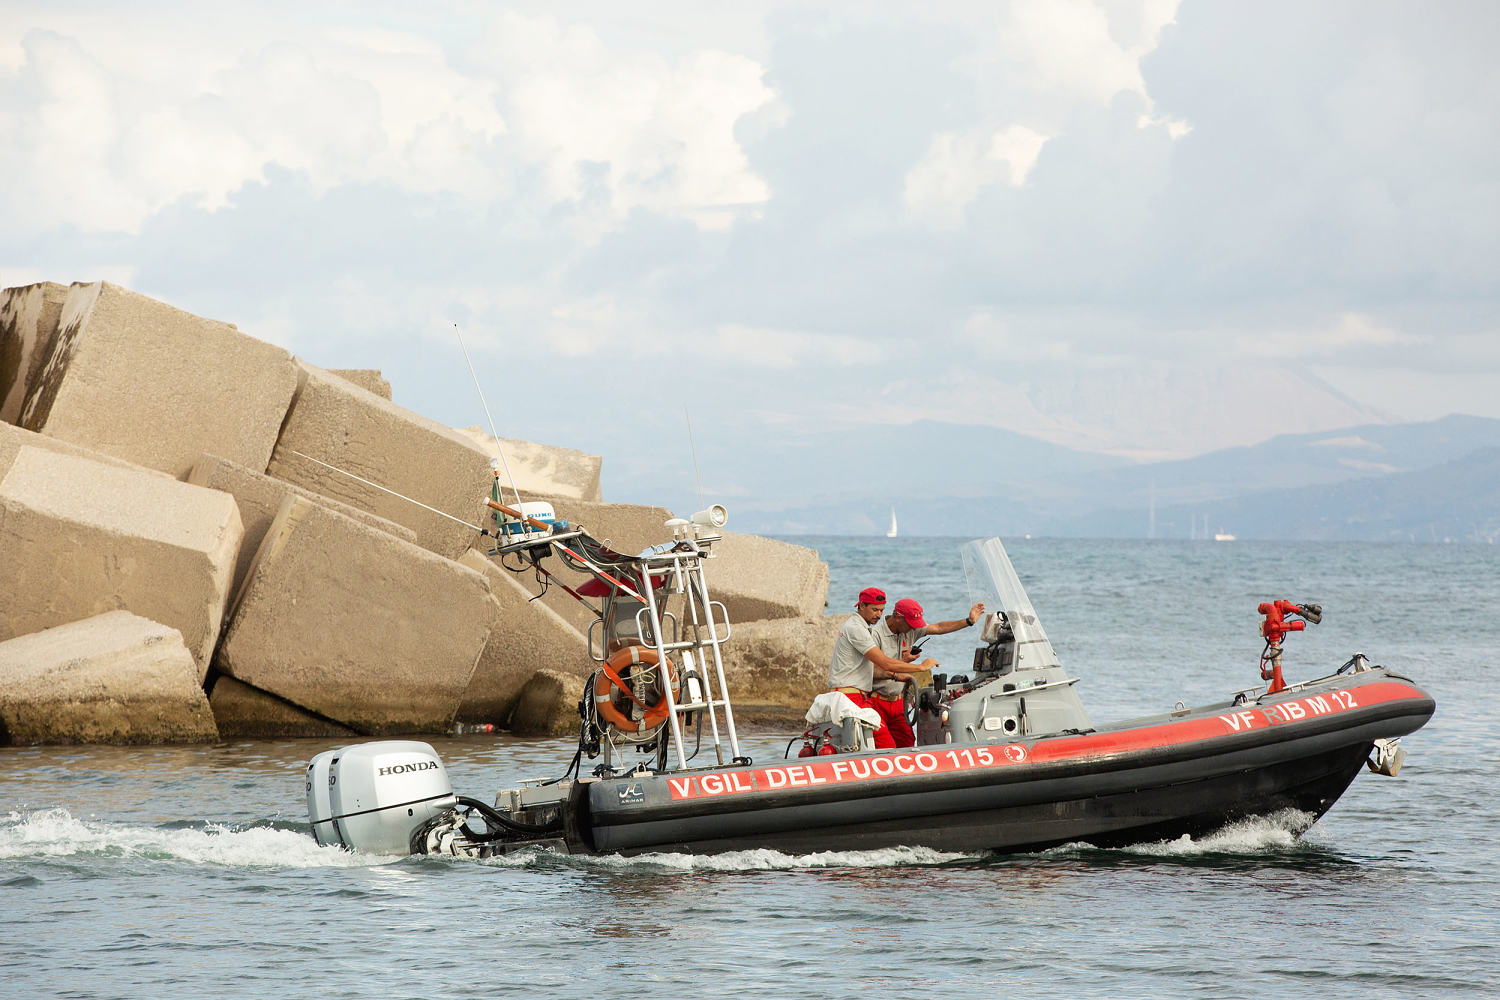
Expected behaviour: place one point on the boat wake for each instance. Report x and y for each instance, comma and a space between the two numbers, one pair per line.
1255, 835
56, 833
759, 859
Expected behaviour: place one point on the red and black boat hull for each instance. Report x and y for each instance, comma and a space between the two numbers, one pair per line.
1187, 773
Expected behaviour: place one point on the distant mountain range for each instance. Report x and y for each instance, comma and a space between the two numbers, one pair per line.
1432, 481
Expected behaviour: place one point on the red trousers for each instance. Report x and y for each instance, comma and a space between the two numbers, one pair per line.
894, 731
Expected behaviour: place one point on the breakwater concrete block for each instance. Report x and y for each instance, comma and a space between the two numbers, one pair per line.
28, 329
111, 678
542, 469
245, 712
356, 625
13, 439
776, 668
548, 705
260, 497
523, 637
79, 538
138, 379
368, 379
337, 423
759, 578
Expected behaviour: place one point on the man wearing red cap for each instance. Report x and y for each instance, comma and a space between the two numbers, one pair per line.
857, 657
895, 634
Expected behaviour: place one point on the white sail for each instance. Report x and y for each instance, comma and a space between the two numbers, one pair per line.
892, 532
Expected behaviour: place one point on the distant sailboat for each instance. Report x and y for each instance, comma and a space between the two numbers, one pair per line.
892, 532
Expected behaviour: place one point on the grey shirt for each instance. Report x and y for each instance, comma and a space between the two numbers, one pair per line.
849, 668
894, 646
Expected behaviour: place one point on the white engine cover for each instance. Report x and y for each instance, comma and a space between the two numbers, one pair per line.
371, 797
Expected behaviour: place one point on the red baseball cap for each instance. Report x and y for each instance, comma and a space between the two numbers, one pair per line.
911, 611
872, 595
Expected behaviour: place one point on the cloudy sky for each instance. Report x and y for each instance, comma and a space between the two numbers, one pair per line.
1129, 224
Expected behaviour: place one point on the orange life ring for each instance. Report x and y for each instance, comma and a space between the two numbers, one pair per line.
608, 679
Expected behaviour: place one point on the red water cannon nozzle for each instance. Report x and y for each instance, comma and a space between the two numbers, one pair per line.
1275, 628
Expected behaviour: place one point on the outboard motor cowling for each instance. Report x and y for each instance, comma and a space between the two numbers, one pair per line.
372, 797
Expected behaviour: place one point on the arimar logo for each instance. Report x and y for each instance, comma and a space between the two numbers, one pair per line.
424, 765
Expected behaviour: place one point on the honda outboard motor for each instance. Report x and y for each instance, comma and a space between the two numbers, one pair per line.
374, 796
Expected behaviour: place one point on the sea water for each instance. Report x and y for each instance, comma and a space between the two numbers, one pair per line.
189, 872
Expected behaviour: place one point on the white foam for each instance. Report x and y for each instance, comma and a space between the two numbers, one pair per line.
55, 833
753, 860
1256, 834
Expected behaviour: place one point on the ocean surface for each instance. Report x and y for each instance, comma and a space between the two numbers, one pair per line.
189, 872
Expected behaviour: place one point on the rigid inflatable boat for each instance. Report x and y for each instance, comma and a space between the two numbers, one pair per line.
1007, 759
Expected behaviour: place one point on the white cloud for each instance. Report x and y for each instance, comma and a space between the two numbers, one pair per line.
1042, 60
957, 167
1351, 332
762, 348
663, 133
116, 122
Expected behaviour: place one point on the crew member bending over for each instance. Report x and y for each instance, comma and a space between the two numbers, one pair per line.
895, 634
857, 657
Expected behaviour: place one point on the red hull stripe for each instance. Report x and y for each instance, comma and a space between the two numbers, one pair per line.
836, 769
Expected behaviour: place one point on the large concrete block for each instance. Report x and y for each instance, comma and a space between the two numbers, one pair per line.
260, 498
776, 668
245, 712
79, 538
112, 678
543, 469
356, 625
28, 329
368, 379
339, 424
756, 578
140, 380
523, 636
548, 705
759, 578
13, 439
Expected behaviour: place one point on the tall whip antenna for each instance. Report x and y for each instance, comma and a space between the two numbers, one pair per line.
493, 433
694, 450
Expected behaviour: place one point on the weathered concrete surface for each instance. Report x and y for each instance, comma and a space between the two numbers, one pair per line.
548, 705
542, 469
756, 578
368, 379
523, 637
28, 329
776, 668
759, 578
356, 625
138, 379
245, 712
112, 678
13, 439
79, 538
260, 498
342, 425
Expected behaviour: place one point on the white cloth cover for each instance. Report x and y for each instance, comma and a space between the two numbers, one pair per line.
835, 707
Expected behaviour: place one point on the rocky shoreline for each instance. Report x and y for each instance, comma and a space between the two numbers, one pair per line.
179, 564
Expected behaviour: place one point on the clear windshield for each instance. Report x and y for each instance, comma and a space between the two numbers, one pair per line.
993, 580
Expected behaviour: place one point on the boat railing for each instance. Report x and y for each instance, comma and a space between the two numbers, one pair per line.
679, 564
684, 569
